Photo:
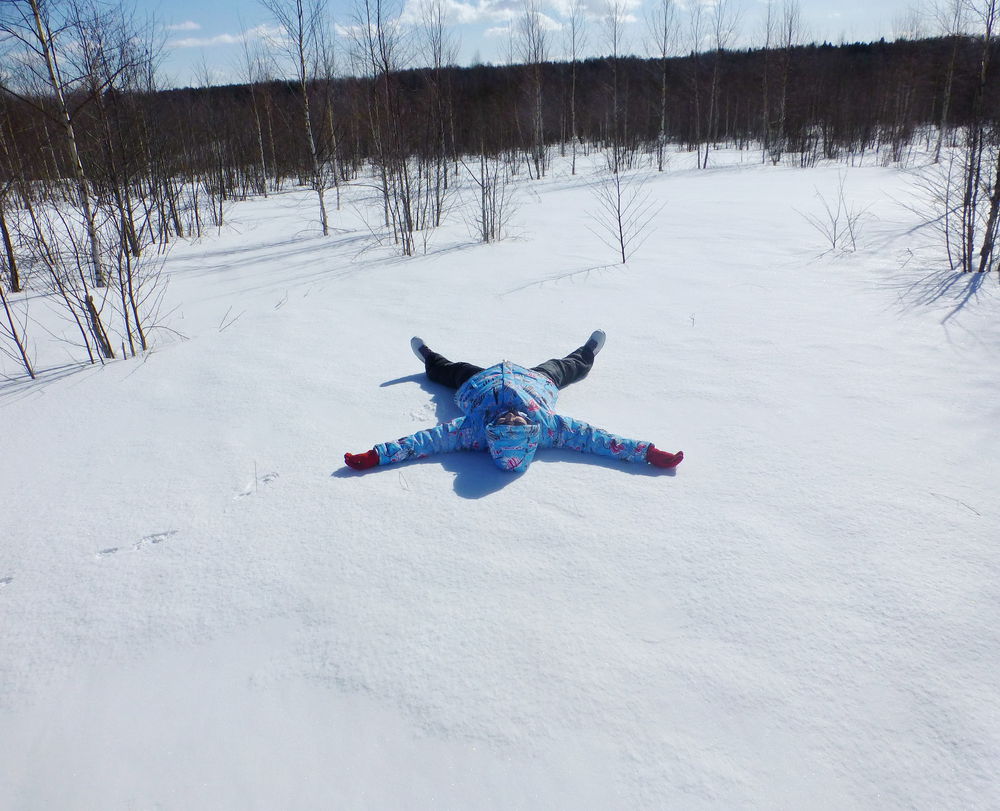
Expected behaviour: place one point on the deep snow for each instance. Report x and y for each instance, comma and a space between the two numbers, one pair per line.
202, 608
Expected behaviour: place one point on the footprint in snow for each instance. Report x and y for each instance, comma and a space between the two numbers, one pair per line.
156, 537
423, 414
251, 488
5, 581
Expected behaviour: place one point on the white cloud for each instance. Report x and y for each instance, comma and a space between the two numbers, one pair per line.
592, 9
456, 12
264, 31
188, 25
497, 32
469, 14
203, 42
546, 23
493, 13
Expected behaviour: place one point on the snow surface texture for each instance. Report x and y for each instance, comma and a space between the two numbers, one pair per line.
202, 608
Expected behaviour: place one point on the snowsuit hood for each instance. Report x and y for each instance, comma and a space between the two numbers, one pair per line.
512, 446
508, 387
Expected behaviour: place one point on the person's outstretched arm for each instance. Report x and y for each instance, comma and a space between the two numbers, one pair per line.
443, 438
580, 436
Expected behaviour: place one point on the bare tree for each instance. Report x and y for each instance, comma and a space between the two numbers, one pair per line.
949, 17
491, 177
625, 211
115, 55
83, 67
964, 190
255, 73
724, 17
533, 47
618, 131
10, 177
697, 32
781, 29
788, 37
662, 24
981, 155
407, 190
38, 27
302, 22
577, 37
56, 247
13, 270
327, 70
439, 49
625, 208
74, 57
768, 28
841, 221
9, 329
375, 46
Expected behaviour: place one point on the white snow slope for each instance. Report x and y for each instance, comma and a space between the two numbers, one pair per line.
200, 607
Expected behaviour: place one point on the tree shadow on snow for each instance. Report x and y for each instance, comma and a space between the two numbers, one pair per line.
13, 389
955, 289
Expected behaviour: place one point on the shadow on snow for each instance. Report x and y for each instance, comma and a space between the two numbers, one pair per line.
13, 389
954, 288
476, 476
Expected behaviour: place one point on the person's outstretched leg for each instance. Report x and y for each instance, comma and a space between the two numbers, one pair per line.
575, 366
440, 369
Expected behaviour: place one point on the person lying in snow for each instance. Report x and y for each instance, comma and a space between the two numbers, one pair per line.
508, 410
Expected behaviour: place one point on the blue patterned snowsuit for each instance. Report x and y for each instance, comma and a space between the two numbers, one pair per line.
509, 387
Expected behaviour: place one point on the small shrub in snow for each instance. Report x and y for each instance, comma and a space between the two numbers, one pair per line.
840, 222
495, 206
624, 213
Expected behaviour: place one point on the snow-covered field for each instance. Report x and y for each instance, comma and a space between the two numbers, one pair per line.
200, 607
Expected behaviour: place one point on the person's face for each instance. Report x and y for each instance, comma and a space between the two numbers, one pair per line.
510, 418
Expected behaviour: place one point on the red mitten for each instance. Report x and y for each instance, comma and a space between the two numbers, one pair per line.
663, 459
361, 461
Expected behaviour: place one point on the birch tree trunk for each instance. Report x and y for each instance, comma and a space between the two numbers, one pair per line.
46, 48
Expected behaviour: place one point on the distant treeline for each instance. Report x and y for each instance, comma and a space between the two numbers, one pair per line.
813, 100
100, 167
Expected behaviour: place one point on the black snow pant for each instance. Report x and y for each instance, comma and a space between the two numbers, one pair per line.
561, 371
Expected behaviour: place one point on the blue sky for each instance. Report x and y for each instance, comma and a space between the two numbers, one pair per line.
209, 34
